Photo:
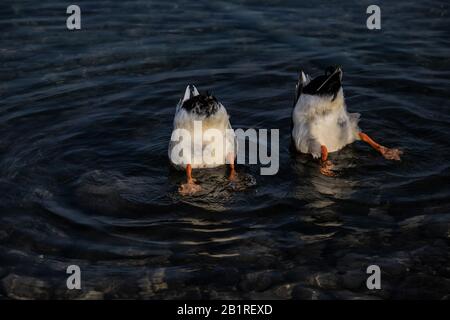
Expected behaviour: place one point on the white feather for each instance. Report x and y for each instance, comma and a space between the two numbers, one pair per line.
319, 121
220, 121
305, 79
191, 91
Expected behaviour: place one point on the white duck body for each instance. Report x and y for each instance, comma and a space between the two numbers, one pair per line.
195, 124
323, 120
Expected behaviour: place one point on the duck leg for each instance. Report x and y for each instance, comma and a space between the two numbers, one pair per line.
190, 187
390, 154
232, 175
325, 165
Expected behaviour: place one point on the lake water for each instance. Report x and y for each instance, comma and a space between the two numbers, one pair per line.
86, 117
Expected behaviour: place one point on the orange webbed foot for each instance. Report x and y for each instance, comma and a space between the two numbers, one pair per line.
391, 154
326, 168
189, 188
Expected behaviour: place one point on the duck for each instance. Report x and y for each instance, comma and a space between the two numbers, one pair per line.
202, 137
321, 123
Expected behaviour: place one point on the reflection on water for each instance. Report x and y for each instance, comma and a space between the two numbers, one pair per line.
312, 185
85, 120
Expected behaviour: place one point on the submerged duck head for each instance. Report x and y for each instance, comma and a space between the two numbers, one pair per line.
201, 104
327, 86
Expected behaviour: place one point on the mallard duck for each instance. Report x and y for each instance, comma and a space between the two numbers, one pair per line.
207, 137
321, 122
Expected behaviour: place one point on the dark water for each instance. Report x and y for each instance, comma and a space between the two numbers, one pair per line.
86, 116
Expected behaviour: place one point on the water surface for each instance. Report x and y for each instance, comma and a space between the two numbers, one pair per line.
86, 117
